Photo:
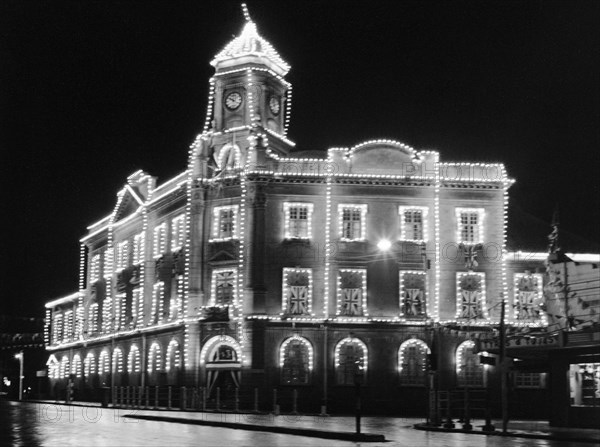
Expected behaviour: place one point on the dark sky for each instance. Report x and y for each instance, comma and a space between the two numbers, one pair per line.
91, 91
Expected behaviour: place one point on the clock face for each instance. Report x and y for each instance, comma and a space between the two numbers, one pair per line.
233, 100
274, 105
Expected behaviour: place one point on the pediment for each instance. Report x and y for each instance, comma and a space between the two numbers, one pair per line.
128, 203
222, 256
133, 195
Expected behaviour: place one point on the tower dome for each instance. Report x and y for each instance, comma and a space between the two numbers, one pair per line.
249, 48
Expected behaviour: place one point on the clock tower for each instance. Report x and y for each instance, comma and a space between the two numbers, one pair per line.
249, 91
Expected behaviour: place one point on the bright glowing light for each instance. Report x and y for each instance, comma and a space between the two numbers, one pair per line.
384, 245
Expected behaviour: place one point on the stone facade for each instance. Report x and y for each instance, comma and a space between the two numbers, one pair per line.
263, 267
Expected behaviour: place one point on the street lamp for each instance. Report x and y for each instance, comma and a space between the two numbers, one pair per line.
21, 358
384, 245
359, 377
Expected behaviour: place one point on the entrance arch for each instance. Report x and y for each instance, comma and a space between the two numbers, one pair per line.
222, 358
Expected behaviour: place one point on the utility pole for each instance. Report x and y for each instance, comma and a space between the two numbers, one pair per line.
503, 369
20, 357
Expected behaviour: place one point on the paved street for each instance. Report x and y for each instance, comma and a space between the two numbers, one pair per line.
33, 424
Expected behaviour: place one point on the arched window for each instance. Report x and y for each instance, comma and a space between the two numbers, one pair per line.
104, 363
89, 364
154, 358
228, 157
469, 370
117, 360
53, 367
64, 367
173, 361
412, 362
133, 360
351, 360
76, 366
295, 360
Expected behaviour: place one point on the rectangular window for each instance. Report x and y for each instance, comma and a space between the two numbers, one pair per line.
584, 381
177, 232
224, 287
95, 268
413, 224
158, 294
93, 319
160, 240
225, 223
122, 255
530, 380
413, 296
108, 263
68, 330
352, 221
528, 297
469, 225
352, 292
57, 329
470, 296
176, 310
138, 248
120, 303
297, 291
298, 220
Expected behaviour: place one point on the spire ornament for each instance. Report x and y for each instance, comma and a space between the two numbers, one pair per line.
246, 13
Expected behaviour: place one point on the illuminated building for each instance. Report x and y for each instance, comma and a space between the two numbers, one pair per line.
260, 266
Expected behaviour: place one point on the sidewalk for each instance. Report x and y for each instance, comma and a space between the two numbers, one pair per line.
374, 429
523, 429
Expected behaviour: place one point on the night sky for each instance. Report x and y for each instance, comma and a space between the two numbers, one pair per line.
91, 91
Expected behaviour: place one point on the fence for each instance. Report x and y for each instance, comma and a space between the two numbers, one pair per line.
463, 405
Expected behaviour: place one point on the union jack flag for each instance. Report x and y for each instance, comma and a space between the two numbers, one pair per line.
526, 306
470, 304
225, 287
352, 301
298, 300
413, 302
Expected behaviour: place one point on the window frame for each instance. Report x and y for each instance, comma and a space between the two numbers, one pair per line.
539, 295
340, 298
286, 291
159, 240
478, 232
178, 232
282, 359
405, 379
362, 221
482, 299
214, 287
217, 234
404, 233
138, 248
337, 363
401, 282
122, 255
464, 379
288, 207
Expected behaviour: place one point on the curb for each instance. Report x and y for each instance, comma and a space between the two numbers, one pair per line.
344, 436
549, 436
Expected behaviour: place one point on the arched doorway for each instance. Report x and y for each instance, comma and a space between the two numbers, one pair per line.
221, 356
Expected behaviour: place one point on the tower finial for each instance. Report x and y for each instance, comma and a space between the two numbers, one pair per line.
246, 13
